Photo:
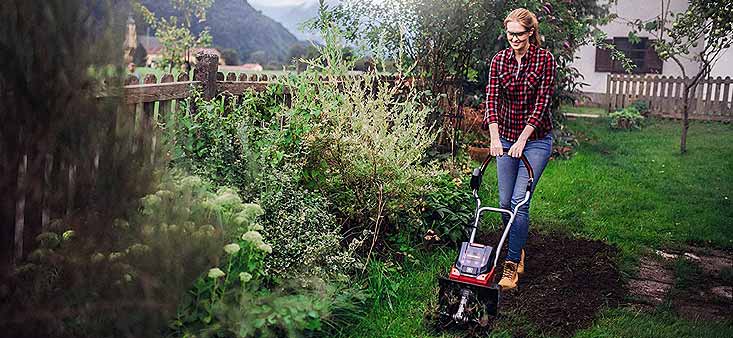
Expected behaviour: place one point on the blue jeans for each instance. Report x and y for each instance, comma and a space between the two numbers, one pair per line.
512, 177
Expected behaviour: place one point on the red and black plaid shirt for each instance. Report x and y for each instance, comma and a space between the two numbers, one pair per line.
518, 95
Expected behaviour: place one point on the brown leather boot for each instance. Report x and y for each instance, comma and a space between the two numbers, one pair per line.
510, 277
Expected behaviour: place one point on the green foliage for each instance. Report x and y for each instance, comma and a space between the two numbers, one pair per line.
306, 235
641, 106
177, 37
626, 118
449, 209
247, 309
244, 145
109, 281
228, 142
366, 138
385, 283
242, 266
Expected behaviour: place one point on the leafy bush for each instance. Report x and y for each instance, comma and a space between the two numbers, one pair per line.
127, 279
357, 142
366, 139
247, 309
305, 236
244, 145
449, 209
642, 106
226, 141
625, 119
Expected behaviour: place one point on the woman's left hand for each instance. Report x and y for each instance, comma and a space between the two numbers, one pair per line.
517, 148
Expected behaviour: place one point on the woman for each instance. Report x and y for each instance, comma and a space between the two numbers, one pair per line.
518, 98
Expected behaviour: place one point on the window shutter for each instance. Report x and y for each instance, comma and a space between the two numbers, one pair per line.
603, 59
653, 62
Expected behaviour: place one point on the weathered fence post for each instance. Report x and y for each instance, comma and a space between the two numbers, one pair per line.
207, 64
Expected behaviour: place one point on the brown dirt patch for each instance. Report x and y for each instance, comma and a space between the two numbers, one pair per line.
653, 282
569, 280
701, 291
566, 283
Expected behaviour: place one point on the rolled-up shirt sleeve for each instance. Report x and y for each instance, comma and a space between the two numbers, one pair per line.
492, 92
544, 92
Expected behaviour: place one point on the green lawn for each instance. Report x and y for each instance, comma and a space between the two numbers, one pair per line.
635, 189
631, 189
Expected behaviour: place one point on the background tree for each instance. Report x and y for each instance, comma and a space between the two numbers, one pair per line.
174, 32
231, 56
455, 40
258, 57
140, 57
705, 22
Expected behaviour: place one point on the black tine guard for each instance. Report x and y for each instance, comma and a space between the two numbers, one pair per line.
481, 304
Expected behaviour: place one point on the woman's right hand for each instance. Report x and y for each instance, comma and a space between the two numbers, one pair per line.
496, 149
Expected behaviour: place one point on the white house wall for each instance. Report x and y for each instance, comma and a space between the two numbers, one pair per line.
627, 10
724, 66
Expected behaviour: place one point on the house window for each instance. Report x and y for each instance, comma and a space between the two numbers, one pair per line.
642, 54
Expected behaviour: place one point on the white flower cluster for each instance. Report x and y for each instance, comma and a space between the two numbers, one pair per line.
257, 241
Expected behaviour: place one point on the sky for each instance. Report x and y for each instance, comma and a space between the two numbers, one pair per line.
281, 2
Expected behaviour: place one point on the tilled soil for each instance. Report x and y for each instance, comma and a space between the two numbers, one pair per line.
567, 281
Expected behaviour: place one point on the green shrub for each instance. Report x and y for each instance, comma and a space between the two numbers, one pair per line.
366, 139
126, 278
305, 235
226, 141
625, 119
248, 310
245, 145
641, 106
449, 209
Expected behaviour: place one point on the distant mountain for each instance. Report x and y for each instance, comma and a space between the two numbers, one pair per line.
237, 25
291, 16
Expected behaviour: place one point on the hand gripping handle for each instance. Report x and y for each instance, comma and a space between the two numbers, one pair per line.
478, 173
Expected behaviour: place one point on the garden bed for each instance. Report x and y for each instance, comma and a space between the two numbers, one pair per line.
567, 283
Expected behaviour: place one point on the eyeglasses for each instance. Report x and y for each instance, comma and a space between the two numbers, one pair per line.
518, 35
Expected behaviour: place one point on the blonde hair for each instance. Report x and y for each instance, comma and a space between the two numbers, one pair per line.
527, 19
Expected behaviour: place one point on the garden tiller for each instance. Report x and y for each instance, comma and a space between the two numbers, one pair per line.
470, 294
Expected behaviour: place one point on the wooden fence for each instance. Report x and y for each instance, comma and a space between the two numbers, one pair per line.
46, 185
713, 99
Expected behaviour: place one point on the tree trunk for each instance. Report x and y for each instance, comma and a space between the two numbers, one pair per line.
685, 120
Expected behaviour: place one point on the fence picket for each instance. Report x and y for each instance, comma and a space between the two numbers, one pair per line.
714, 104
707, 104
20, 209
665, 94
46, 211
644, 89
727, 102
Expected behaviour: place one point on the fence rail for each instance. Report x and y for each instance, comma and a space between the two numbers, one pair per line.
713, 99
